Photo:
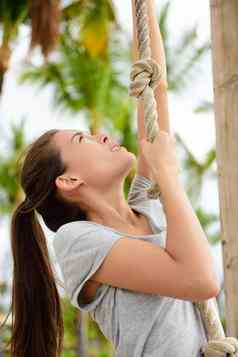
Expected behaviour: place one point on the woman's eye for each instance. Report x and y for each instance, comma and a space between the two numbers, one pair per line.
80, 137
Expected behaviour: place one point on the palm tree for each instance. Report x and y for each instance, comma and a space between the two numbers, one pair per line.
44, 18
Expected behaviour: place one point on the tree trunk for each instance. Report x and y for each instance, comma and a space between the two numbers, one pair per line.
5, 55
224, 31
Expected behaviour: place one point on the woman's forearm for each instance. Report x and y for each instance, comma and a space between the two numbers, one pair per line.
158, 54
186, 241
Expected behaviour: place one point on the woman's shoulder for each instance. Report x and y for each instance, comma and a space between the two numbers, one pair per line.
75, 226
75, 232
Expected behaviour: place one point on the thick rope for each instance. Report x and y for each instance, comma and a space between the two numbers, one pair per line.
145, 76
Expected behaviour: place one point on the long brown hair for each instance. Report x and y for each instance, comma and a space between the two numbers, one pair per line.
37, 321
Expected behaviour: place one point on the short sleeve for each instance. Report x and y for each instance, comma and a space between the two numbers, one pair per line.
138, 188
137, 196
80, 250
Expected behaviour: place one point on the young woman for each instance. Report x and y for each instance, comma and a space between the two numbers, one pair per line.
136, 266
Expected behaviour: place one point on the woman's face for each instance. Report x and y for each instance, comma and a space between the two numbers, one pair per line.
91, 158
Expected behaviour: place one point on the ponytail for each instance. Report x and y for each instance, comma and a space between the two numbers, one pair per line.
37, 323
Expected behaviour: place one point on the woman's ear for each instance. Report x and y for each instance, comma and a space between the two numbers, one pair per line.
67, 183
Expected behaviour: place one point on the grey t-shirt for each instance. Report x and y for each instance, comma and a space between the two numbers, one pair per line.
137, 324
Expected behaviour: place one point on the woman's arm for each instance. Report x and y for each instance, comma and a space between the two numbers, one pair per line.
158, 54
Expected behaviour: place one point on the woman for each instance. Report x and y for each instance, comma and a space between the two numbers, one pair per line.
135, 266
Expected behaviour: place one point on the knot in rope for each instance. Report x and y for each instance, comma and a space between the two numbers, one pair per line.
222, 347
145, 72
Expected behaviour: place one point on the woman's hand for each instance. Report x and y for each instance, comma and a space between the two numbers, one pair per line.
161, 155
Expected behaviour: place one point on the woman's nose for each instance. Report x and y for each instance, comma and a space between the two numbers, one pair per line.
100, 138
103, 138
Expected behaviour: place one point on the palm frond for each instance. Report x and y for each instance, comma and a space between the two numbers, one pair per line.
45, 22
207, 220
12, 10
188, 38
70, 11
181, 79
215, 237
10, 189
204, 107
209, 159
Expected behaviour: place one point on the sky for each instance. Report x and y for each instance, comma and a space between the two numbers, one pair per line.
197, 130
